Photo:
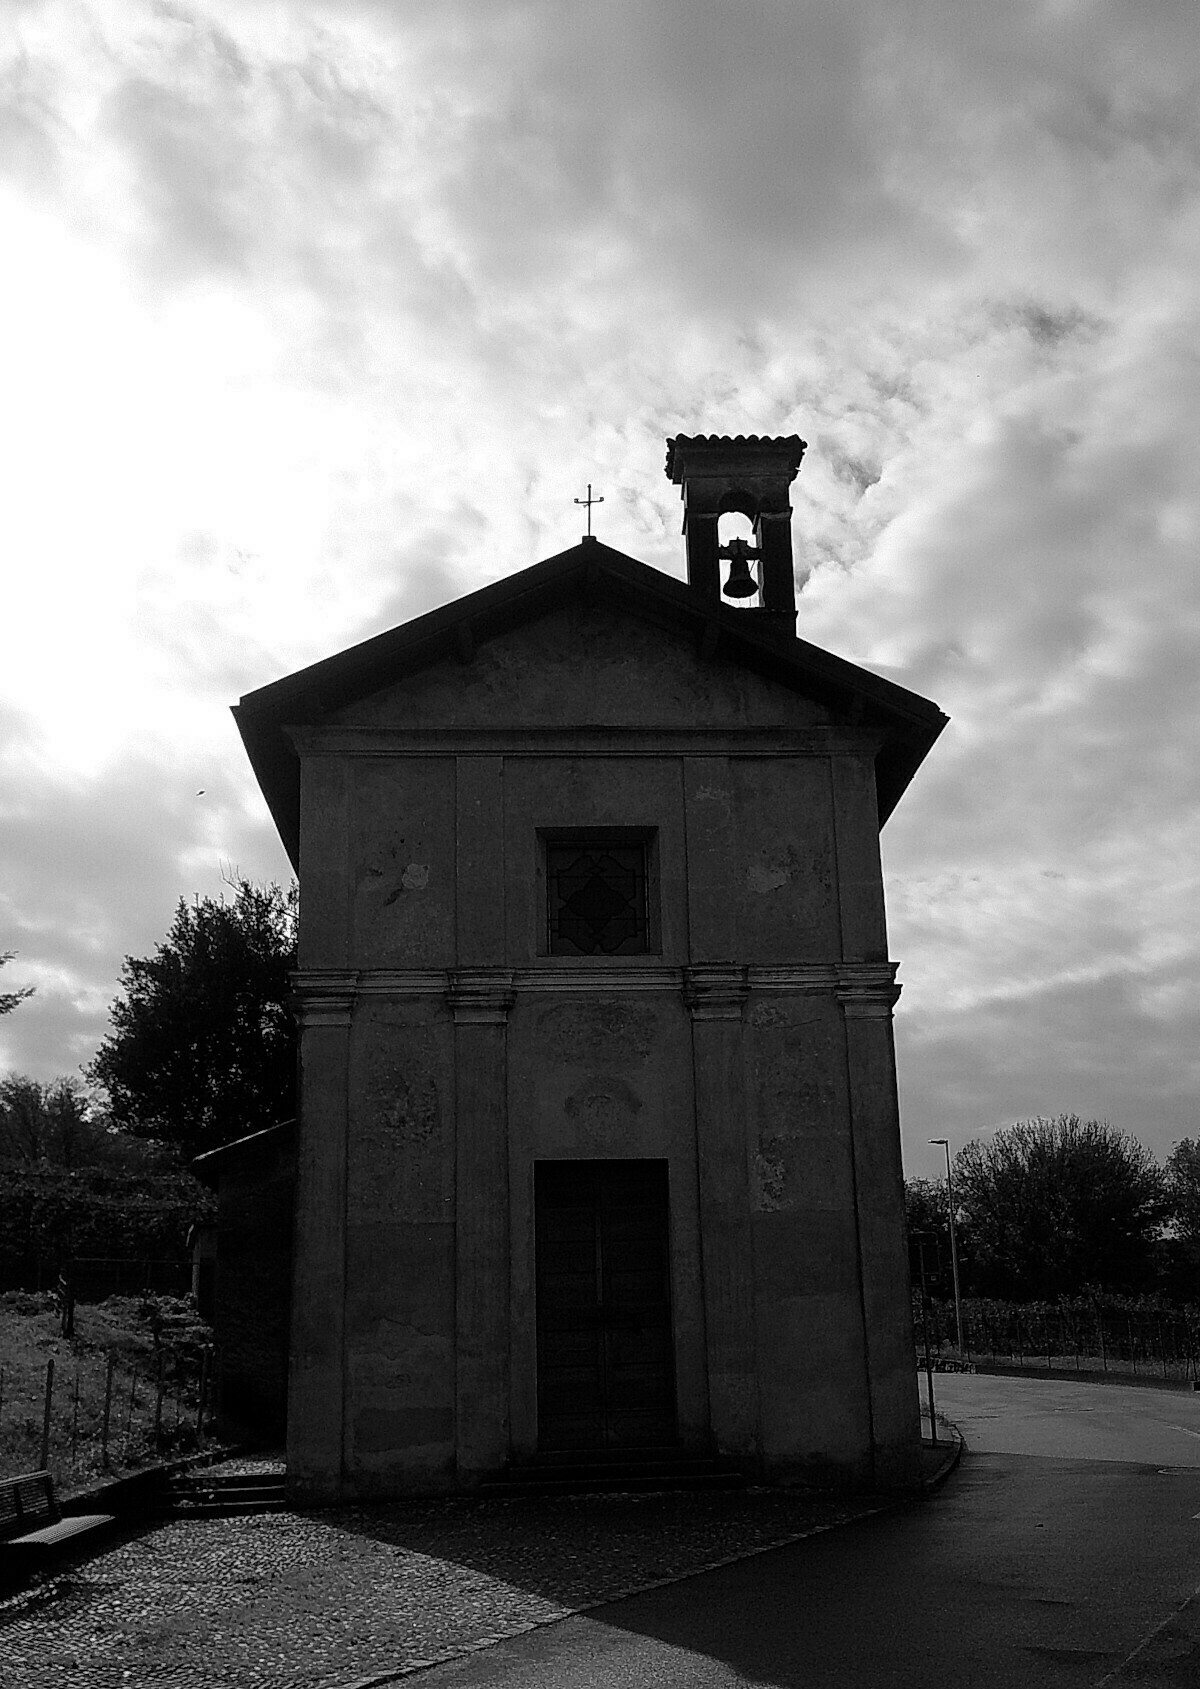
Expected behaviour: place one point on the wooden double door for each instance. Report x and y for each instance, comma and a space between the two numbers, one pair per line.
606, 1376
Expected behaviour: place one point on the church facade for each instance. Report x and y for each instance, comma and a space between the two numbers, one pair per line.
598, 1147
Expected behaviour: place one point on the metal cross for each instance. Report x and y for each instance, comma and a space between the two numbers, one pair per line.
589, 501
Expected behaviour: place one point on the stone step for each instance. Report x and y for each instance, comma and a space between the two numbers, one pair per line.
204, 1509
215, 1494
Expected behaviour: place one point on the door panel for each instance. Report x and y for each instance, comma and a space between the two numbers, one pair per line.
605, 1356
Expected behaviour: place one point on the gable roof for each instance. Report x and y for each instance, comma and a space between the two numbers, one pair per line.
595, 572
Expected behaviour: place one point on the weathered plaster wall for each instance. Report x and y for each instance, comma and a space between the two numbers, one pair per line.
403, 862
586, 665
400, 1317
808, 1309
783, 872
445, 1053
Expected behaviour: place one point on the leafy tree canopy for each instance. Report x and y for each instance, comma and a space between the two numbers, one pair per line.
1183, 1183
1183, 1186
203, 1047
10, 999
59, 1125
1055, 1207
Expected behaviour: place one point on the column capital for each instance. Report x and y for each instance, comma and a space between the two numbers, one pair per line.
323, 997
715, 990
867, 990
480, 996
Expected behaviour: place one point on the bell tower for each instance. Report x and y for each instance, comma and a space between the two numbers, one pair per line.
751, 475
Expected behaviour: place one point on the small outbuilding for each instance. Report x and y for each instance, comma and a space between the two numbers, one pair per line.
598, 1148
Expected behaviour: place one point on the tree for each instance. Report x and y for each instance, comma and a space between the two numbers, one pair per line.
1057, 1207
46, 1124
1183, 1191
928, 1219
1183, 1186
58, 1124
203, 1047
10, 999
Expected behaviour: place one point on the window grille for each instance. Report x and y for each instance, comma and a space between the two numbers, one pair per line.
596, 892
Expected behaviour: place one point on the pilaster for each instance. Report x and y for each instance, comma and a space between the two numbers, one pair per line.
867, 1004
715, 994
480, 999
316, 1410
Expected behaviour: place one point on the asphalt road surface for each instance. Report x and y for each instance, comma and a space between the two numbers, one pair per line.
1063, 1554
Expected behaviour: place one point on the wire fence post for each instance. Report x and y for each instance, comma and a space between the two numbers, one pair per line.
75, 1422
129, 1416
200, 1395
108, 1394
44, 1462
158, 1403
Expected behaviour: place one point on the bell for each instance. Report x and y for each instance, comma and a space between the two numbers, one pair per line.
741, 582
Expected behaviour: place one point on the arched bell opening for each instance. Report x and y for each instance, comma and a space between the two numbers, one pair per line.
741, 562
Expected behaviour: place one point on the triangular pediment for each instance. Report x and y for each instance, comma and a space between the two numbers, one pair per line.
587, 664
589, 638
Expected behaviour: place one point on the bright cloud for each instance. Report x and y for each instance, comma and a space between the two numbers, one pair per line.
316, 315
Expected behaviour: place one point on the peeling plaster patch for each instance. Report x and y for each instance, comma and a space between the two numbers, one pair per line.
597, 1032
409, 1107
414, 878
766, 876
767, 1014
710, 794
603, 1104
769, 1181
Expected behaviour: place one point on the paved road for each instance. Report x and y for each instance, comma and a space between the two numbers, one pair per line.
1028, 1568
1045, 1416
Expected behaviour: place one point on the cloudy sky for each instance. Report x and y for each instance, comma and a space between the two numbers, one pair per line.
316, 315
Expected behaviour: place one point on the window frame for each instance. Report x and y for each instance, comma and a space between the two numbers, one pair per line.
593, 838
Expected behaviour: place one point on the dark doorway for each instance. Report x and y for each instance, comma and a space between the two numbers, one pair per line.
605, 1356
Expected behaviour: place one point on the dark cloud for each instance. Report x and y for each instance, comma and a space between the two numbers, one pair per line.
1052, 1047
449, 262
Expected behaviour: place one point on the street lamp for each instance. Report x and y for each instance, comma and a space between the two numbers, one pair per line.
953, 1249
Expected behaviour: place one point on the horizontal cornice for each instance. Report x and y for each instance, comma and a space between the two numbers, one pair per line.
852, 981
312, 741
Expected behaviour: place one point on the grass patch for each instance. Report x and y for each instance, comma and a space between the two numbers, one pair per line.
156, 1345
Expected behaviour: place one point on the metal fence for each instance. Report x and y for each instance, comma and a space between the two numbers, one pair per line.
1135, 1343
93, 1416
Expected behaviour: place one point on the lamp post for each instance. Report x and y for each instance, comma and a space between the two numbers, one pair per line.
944, 1142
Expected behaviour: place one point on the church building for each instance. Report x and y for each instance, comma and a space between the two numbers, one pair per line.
598, 1149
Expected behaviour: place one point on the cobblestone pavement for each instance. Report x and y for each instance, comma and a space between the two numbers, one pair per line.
362, 1595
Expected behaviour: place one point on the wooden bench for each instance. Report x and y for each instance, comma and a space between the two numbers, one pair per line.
33, 1525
